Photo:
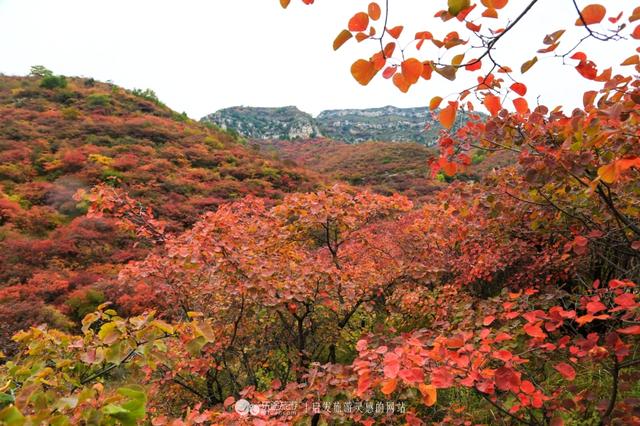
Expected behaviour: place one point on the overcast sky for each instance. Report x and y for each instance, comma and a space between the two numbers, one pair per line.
203, 55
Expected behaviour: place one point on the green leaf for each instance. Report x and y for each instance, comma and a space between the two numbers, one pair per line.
6, 399
130, 412
11, 416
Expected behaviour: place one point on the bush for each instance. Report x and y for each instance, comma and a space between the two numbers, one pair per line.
98, 100
53, 82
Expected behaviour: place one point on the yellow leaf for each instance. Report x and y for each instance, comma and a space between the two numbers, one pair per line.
527, 65
457, 6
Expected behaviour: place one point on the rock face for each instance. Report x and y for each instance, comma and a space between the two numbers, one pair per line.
286, 123
386, 124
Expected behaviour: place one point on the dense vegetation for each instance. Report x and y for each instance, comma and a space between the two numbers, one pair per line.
57, 140
506, 297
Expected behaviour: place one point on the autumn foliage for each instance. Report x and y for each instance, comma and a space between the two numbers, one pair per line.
506, 297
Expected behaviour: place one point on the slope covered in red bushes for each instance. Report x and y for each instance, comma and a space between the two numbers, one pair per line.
55, 142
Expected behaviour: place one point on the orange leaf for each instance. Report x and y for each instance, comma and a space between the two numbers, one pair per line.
401, 82
341, 39
284, 3
636, 33
359, 22
435, 102
519, 88
588, 98
592, 14
566, 370
450, 169
448, 115
495, 4
521, 105
374, 11
631, 60
388, 386
363, 71
395, 31
490, 13
609, 173
412, 69
492, 103
429, 394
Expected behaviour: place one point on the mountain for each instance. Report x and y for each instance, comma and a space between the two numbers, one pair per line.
59, 135
386, 124
284, 123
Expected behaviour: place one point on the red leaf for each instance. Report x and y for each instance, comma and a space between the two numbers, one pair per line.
507, 379
389, 72
593, 307
391, 365
534, 330
519, 88
634, 329
395, 31
441, 378
488, 320
626, 300
566, 370
359, 22
527, 387
521, 105
374, 11
492, 103
592, 14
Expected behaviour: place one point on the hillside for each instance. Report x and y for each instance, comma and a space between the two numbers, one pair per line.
78, 133
385, 167
387, 124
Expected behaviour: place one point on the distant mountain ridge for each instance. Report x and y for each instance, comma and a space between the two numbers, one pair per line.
387, 124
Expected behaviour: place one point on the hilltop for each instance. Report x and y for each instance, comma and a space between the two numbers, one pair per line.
386, 124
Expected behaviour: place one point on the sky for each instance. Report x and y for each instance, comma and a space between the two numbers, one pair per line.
203, 55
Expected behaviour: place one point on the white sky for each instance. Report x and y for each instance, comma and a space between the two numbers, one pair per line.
203, 55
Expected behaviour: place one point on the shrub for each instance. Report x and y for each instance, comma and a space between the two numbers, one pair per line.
53, 82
